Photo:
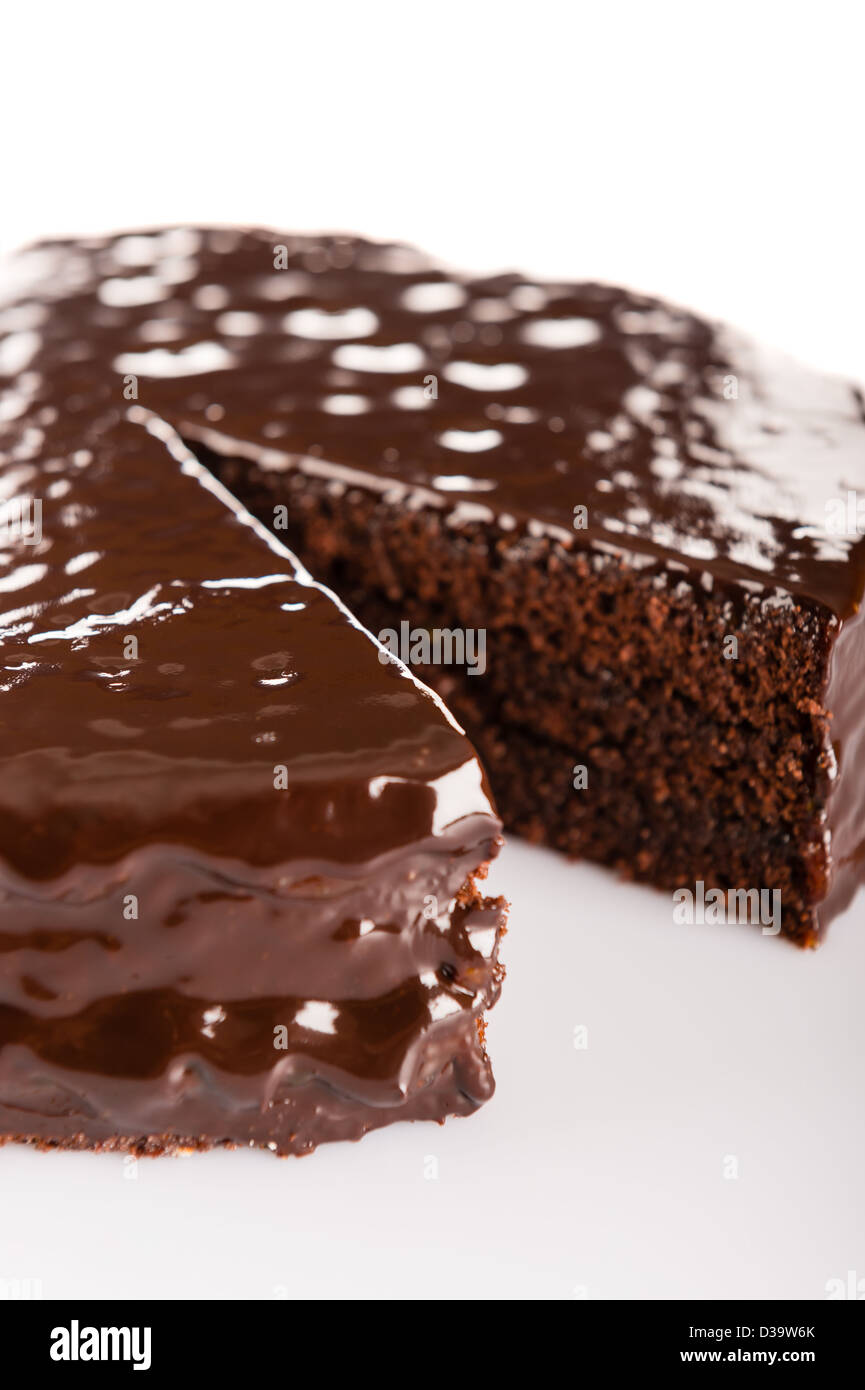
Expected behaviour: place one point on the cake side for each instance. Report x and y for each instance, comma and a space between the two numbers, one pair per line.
845, 824
157, 1069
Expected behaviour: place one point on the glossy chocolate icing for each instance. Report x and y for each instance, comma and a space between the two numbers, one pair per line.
241, 820
483, 396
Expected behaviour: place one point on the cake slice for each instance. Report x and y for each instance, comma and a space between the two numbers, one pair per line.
239, 852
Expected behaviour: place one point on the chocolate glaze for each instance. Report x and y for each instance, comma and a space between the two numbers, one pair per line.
244, 820
243, 666
682, 439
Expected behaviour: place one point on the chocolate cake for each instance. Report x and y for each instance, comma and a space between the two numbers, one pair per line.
239, 896
638, 512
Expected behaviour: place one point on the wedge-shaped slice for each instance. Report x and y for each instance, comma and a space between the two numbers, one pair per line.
237, 848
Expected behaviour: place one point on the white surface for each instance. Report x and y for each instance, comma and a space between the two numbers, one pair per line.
599, 1169
709, 153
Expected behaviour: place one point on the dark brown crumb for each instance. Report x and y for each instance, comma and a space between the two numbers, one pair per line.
696, 764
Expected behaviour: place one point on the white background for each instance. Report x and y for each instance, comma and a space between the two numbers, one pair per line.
712, 153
